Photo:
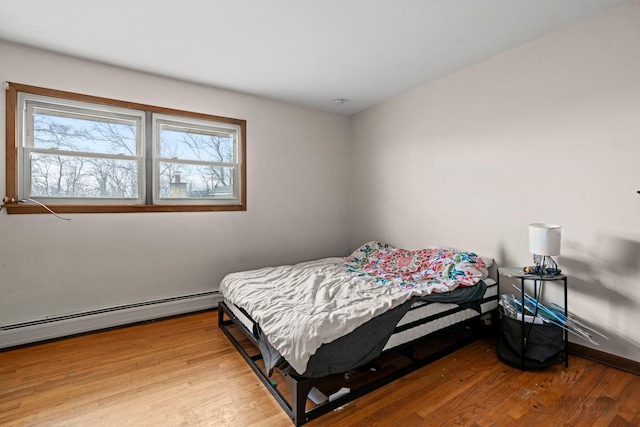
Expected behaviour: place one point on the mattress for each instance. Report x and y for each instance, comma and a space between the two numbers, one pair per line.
413, 326
422, 319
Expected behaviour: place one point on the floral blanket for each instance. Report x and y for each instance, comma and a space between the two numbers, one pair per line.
423, 271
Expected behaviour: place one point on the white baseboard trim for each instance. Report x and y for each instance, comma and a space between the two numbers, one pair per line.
61, 326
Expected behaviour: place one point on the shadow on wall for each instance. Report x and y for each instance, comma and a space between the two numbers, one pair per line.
503, 259
608, 273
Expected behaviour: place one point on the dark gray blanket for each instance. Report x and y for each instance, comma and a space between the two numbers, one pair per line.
366, 342
467, 297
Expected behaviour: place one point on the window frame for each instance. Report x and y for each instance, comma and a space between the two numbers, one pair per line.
147, 177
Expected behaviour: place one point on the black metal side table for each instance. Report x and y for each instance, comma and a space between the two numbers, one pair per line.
518, 273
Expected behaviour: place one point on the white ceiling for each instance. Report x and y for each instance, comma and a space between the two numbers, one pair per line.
306, 52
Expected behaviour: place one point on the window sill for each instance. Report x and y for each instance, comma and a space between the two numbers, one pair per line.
15, 208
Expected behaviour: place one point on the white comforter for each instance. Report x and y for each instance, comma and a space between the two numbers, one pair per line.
322, 303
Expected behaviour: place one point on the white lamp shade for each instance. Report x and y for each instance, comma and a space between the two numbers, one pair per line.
544, 239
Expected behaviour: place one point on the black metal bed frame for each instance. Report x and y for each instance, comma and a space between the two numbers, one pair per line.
300, 387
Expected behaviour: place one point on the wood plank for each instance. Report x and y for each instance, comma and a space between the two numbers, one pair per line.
184, 371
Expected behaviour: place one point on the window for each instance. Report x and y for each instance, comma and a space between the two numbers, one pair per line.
78, 153
196, 161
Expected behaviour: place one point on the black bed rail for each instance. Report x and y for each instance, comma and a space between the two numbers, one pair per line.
300, 387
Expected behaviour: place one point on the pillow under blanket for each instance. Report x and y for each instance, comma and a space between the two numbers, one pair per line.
433, 269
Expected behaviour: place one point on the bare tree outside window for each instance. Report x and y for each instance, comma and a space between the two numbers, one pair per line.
77, 171
199, 162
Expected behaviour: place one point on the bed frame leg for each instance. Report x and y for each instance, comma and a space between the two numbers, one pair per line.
300, 389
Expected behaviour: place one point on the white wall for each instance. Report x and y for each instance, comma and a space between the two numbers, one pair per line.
549, 132
298, 202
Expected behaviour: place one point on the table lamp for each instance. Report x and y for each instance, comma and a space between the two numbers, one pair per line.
544, 240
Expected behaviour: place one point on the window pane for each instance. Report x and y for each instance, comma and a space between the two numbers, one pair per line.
75, 132
88, 177
196, 144
179, 181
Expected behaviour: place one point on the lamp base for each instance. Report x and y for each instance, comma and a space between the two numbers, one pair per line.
545, 267
539, 271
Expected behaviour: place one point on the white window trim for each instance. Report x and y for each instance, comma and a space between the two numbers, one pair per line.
206, 125
27, 102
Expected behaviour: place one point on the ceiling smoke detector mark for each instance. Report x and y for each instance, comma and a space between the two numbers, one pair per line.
339, 101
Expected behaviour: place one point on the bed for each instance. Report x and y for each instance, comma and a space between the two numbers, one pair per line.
335, 329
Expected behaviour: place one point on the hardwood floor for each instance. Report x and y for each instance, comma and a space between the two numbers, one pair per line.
184, 372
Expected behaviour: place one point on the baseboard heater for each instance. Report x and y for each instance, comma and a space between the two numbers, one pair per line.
91, 320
